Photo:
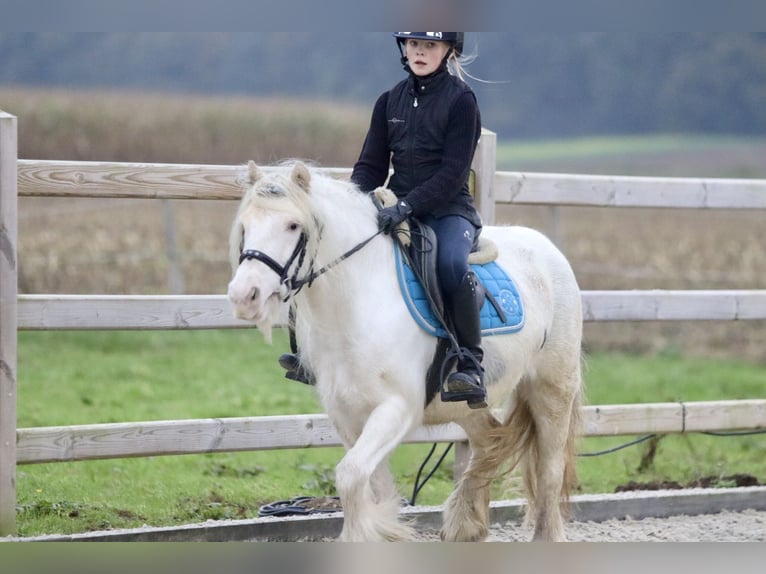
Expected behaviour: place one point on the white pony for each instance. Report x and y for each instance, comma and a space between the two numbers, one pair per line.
370, 357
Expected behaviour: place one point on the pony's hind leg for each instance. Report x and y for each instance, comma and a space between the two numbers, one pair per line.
371, 511
550, 465
466, 512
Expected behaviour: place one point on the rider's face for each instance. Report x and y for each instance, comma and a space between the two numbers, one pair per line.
425, 56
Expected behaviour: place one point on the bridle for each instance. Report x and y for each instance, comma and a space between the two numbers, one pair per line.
292, 283
298, 253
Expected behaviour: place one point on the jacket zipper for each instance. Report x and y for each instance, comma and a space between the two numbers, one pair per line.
411, 134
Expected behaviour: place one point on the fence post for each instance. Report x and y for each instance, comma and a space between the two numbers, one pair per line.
8, 320
484, 166
176, 284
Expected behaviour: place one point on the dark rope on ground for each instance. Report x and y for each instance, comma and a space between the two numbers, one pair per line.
418, 485
619, 447
733, 433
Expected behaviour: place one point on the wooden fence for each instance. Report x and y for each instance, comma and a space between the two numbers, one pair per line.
32, 178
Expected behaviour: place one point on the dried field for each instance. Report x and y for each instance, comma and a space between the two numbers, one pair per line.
86, 125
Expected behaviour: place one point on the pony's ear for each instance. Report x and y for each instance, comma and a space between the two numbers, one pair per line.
301, 175
253, 173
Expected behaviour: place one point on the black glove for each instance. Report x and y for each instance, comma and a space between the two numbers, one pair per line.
390, 217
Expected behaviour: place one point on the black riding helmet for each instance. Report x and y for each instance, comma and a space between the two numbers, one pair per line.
455, 39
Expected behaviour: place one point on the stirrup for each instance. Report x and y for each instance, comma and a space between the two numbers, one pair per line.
464, 387
295, 371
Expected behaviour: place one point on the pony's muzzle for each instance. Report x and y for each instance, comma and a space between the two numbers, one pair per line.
244, 295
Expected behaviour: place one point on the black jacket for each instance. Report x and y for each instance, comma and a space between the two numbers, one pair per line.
428, 129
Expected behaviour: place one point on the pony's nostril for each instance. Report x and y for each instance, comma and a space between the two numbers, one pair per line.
254, 293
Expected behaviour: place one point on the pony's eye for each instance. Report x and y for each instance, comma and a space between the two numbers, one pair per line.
293, 226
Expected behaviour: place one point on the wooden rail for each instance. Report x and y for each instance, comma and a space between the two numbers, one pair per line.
629, 191
135, 180
180, 181
159, 312
153, 438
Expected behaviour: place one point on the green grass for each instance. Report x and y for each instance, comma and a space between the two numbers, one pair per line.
629, 379
82, 378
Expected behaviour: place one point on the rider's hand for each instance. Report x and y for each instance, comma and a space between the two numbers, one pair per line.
390, 217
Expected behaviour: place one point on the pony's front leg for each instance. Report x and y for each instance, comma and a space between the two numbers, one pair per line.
368, 516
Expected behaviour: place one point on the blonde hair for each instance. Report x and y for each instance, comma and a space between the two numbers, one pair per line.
456, 65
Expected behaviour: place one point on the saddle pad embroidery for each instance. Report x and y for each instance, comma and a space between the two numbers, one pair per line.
494, 279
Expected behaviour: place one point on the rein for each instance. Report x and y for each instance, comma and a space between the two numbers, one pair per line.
293, 283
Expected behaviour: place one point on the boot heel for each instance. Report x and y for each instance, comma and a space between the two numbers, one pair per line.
295, 370
289, 362
463, 383
463, 387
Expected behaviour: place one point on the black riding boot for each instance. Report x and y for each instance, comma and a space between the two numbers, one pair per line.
467, 383
295, 370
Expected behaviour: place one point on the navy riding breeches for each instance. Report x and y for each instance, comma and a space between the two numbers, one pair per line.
456, 237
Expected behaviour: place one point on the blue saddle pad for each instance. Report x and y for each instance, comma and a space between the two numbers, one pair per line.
494, 279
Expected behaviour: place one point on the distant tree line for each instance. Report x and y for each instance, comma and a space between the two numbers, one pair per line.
539, 84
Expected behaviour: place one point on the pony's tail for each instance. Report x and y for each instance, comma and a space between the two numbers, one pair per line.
570, 481
509, 444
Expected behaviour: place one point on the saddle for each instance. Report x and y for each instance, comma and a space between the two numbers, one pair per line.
502, 311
